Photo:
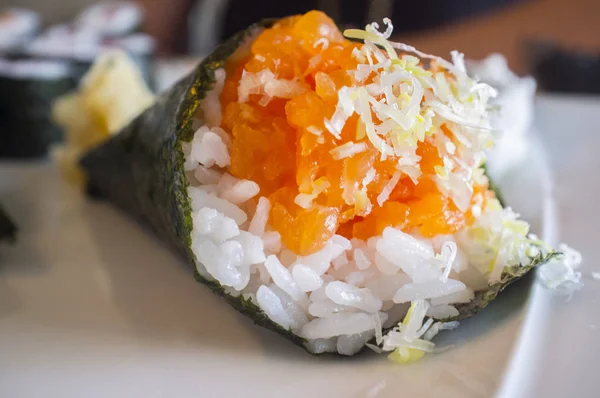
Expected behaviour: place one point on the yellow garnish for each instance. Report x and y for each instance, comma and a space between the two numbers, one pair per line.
401, 63
111, 94
517, 226
493, 205
410, 60
409, 314
305, 200
403, 355
441, 172
361, 130
361, 201
321, 184
418, 71
479, 234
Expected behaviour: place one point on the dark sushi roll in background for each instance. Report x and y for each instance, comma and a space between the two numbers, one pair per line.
117, 25
28, 89
81, 46
36, 68
17, 27
67, 44
8, 230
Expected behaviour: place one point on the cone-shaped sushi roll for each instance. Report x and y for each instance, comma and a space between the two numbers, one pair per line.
28, 89
8, 230
327, 188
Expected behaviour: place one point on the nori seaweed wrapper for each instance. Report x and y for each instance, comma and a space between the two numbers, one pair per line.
8, 230
141, 171
509, 275
26, 128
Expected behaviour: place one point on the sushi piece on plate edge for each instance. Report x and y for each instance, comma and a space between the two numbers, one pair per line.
331, 190
17, 27
111, 18
81, 48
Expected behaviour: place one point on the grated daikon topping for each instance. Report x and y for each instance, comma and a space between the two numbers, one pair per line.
411, 103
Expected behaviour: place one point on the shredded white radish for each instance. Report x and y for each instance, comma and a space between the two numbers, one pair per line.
389, 187
411, 103
348, 149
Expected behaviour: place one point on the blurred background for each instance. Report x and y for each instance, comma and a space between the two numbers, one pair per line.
519, 29
47, 46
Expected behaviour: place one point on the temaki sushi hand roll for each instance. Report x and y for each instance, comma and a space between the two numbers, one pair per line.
332, 190
28, 89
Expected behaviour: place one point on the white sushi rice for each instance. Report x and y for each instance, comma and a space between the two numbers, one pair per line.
346, 293
339, 297
329, 301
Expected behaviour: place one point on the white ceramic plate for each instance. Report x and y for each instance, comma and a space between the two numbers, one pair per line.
91, 305
557, 355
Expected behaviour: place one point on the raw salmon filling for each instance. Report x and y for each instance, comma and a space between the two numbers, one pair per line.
327, 168
339, 186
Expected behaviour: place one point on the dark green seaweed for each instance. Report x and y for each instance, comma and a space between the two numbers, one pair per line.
141, 171
8, 230
26, 128
494, 187
509, 275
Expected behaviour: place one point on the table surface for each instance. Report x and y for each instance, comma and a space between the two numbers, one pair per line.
92, 305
